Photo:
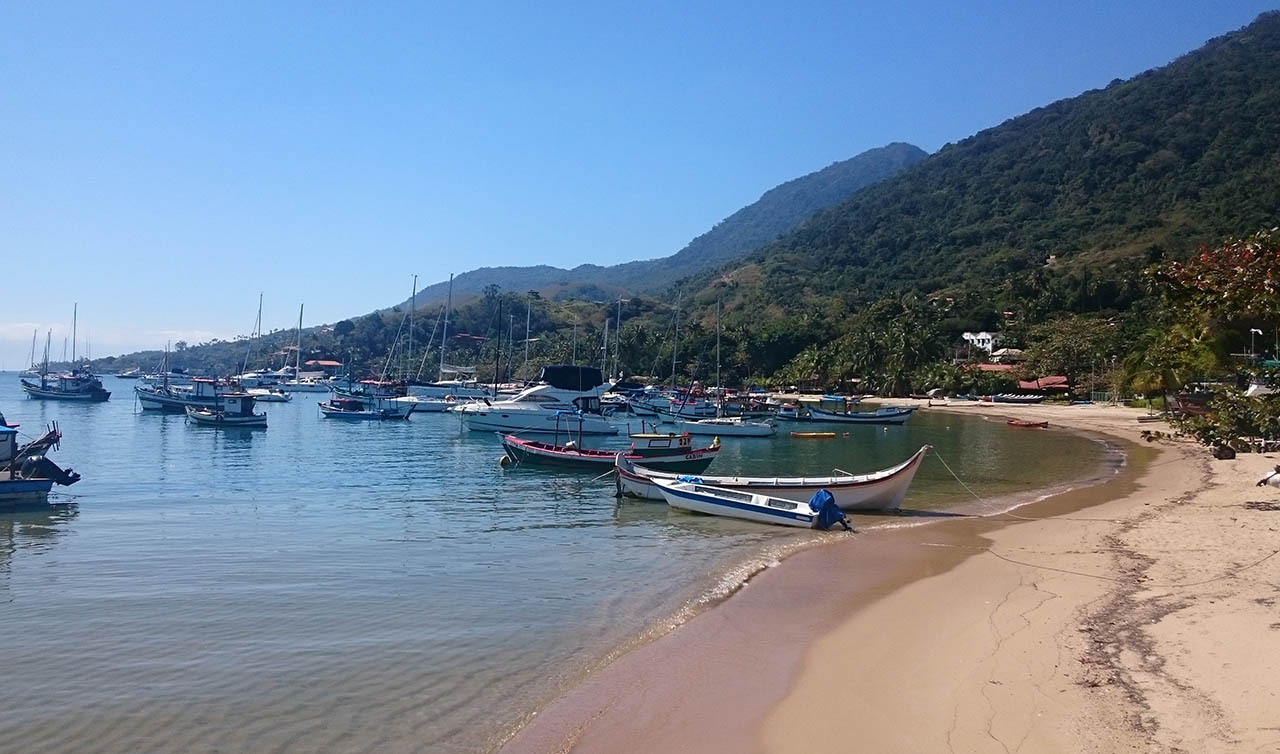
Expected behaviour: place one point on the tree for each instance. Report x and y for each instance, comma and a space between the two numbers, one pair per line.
1070, 346
343, 328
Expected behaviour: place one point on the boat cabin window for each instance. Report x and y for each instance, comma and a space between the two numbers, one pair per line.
785, 505
586, 403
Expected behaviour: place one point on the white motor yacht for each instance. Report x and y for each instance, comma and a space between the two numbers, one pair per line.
565, 398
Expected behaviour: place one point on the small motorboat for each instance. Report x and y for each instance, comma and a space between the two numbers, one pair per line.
813, 434
690, 494
874, 491
269, 395
1027, 424
790, 412
236, 410
669, 452
887, 415
727, 427
340, 407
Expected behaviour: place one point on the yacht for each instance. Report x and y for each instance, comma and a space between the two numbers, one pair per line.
561, 390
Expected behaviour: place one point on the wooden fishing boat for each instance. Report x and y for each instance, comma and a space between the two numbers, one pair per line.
669, 452
26, 475
876, 490
235, 410
1028, 424
691, 494
813, 434
887, 415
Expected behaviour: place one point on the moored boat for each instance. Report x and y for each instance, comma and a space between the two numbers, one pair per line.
26, 475
202, 392
77, 385
887, 415
670, 452
692, 494
235, 410
1016, 398
269, 395
561, 389
727, 427
876, 490
339, 407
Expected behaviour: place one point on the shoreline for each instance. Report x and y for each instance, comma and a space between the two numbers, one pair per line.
686, 691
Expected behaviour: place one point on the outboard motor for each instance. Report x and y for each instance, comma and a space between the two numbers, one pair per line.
823, 503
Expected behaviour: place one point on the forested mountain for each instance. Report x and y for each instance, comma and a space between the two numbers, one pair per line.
1054, 210
779, 210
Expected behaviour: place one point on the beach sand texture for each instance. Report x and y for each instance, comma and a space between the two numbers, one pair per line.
1137, 615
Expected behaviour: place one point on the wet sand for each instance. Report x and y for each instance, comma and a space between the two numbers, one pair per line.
1078, 623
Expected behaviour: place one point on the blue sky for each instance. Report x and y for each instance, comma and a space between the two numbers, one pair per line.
165, 162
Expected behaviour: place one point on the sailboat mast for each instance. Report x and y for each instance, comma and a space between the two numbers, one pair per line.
528, 311
444, 337
675, 346
718, 385
33, 347
604, 351
413, 304
257, 330
297, 351
75, 310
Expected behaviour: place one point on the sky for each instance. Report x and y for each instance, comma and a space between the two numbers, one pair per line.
161, 164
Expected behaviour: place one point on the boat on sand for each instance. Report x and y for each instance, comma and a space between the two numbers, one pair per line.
877, 490
690, 494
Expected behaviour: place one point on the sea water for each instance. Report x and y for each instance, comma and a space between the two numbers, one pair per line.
327, 585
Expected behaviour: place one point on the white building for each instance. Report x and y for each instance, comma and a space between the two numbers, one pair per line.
984, 340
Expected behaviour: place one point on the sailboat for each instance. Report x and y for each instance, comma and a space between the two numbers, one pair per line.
722, 425
77, 385
458, 382
300, 384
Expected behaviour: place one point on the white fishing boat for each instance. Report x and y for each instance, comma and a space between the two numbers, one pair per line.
235, 410
887, 415
877, 490
727, 427
691, 494
560, 389
176, 398
340, 407
790, 412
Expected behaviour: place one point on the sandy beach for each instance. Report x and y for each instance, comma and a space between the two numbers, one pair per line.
1135, 615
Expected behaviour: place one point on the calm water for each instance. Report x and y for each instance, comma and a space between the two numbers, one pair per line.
331, 586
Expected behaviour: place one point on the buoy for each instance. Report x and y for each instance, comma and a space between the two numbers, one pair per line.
503, 460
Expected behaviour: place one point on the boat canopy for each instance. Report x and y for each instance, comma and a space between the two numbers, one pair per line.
571, 377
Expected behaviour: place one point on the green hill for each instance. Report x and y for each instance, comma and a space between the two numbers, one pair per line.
777, 211
1053, 210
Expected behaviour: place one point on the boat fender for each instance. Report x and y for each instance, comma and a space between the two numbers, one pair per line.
503, 461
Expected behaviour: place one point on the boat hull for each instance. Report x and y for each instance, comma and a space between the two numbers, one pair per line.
688, 498
871, 417
396, 411
733, 429
218, 419
524, 452
16, 493
878, 491
47, 394
482, 418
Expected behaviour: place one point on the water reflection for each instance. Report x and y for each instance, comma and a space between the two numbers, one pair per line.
31, 531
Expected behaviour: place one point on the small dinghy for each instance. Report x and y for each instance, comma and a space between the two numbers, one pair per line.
236, 410
690, 494
1028, 424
